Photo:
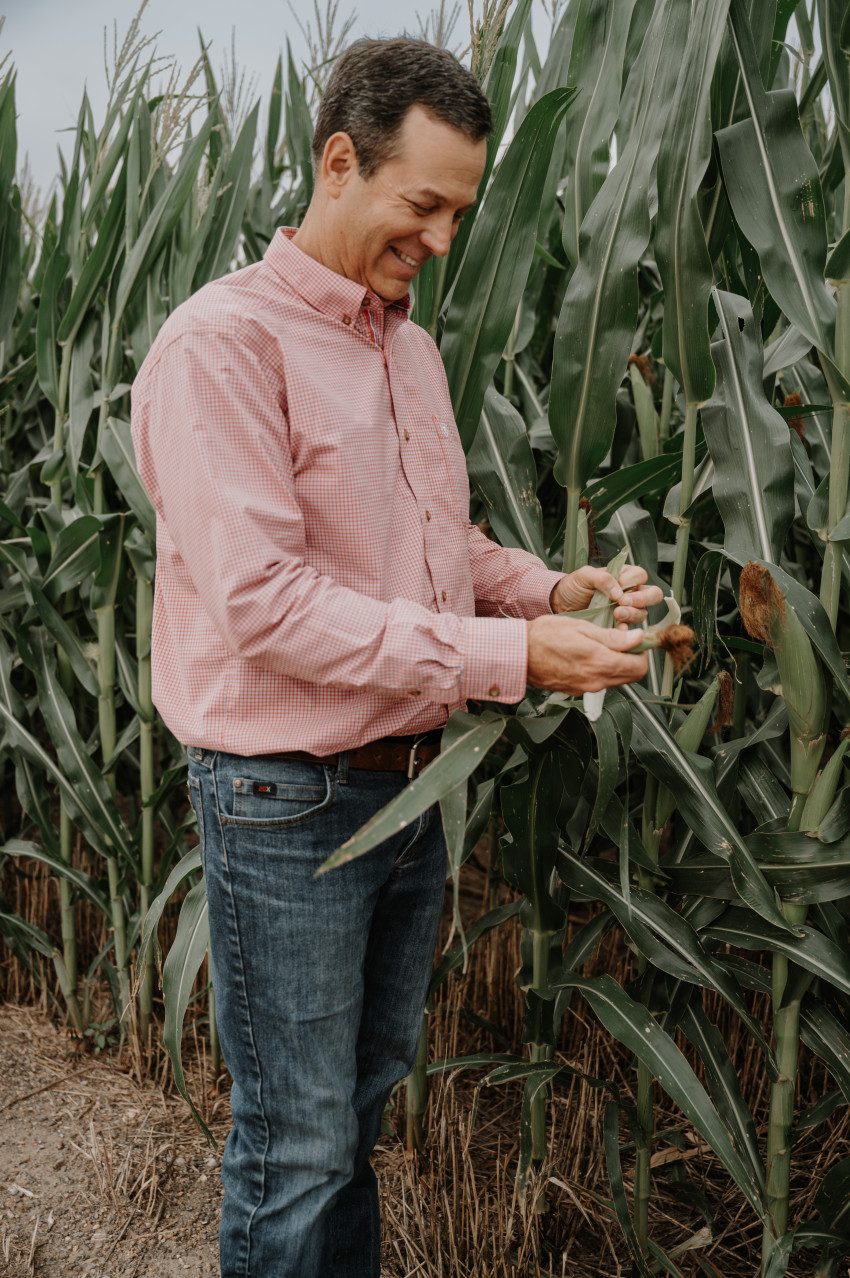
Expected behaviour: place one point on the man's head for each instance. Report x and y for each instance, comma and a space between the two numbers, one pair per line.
399, 150
375, 83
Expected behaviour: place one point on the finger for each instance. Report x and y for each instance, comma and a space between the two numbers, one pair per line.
647, 598
630, 616
620, 640
632, 575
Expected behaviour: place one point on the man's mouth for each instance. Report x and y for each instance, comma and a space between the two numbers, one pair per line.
408, 261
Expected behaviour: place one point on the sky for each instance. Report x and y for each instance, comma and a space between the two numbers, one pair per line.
57, 48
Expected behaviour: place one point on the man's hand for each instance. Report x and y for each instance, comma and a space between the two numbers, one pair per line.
566, 655
575, 591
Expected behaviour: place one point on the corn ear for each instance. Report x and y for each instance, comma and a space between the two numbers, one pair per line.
803, 682
824, 789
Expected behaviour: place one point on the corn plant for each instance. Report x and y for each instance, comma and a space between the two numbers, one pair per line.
644, 332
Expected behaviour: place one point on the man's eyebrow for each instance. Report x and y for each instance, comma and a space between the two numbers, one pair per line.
428, 193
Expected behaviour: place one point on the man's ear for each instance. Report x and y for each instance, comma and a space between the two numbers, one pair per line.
339, 163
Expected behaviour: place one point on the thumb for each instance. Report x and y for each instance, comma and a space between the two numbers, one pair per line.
621, 640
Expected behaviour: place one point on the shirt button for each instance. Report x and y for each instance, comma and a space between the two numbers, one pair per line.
346, 319
427, 514
494, 691
407, 434
444, 596
444, 430
415, 693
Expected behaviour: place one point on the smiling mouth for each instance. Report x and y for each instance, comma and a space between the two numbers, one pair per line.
408, 261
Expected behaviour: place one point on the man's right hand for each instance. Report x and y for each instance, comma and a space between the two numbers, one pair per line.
572, 656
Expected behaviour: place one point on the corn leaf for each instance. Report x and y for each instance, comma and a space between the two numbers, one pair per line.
774, 188
753, 482
596, 72
599, 313
494, 270
692, 780
634, 1026
680, 248
446, 772
810, 950
501, 465
178, 976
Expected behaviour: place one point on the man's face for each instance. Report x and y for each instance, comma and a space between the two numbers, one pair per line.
388, 225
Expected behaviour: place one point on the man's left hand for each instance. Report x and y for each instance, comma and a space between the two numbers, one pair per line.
629, 592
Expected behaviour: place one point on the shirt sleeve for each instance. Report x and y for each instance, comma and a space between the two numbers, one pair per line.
212, 446
508, 581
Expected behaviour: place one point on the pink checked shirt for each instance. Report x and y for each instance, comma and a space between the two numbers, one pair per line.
317, 578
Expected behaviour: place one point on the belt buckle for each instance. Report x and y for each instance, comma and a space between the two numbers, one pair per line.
411, 760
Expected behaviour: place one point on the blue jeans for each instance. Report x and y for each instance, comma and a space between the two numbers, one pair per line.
320, 986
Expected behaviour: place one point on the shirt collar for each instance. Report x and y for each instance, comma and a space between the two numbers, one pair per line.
321, 287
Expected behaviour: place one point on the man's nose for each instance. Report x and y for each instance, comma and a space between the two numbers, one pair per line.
437, 236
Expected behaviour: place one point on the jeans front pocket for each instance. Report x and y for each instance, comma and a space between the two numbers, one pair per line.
270, 793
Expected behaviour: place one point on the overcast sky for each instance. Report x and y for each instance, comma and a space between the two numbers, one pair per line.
57, 48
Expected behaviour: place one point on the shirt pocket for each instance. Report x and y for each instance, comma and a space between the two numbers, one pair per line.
455, 459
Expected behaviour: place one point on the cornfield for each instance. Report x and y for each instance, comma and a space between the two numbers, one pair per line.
645, 325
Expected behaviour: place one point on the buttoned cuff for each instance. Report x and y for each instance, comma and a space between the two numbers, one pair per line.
495, 664
534, 590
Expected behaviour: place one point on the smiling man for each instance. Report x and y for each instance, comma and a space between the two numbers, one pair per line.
322, 606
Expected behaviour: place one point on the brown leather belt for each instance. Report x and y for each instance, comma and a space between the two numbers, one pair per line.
384, 755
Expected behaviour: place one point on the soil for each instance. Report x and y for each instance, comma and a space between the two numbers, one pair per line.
99, 1176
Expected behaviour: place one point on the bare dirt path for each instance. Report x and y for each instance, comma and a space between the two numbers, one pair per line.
99, 1177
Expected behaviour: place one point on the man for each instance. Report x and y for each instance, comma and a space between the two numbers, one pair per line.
322, 606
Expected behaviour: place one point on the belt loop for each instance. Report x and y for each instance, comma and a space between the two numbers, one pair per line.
342, 767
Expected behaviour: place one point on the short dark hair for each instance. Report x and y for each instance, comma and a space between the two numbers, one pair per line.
376, 82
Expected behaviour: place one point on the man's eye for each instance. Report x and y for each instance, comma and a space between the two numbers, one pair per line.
421, 209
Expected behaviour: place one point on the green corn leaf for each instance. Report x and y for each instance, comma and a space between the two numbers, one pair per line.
499, 88
680, 247
501, 465
722, 1083
81, 881
614, 1167
104, 826
753, 481
773, 185
529, 809
81, 397
596, 72
692, 779
825, 1035
274, 118
810, 950
47, 325
494, 270
116, 447
187, 865
446, 772
178, 976
160, 222
117, 149
599, 313
644, 479
229, 204
76, 555
634, 1026
802, 868
99, 263
299, 127
662, 935
65, 638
